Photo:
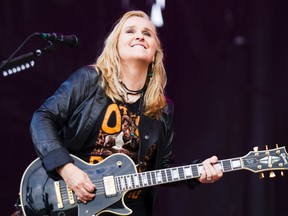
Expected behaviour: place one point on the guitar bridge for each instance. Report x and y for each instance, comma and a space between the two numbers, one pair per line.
109, 186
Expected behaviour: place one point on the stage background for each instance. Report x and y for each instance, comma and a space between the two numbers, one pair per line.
227, 64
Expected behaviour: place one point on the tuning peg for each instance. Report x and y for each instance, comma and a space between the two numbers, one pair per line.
267, 152
282, 173
278, 150
261, 176
272, 174
256, 151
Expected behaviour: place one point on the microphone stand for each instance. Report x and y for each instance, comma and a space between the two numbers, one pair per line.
24, 61
13, 65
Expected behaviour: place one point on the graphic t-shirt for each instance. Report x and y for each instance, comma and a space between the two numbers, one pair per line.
116, 131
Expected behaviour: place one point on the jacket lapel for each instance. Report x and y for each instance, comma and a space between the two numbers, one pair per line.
148, 132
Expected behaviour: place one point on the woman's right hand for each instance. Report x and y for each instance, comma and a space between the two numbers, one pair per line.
78, 181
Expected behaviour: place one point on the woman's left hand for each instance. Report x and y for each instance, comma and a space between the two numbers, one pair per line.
210, 172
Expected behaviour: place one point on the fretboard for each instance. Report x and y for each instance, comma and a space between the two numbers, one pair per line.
169, 175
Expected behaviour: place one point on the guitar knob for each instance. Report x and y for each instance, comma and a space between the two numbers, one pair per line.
261, 176
272, 174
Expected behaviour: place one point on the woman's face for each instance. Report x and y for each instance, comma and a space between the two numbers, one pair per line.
137, 40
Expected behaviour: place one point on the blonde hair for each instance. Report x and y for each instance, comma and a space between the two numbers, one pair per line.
109, 64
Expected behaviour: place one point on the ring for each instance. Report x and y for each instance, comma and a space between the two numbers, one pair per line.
208, 179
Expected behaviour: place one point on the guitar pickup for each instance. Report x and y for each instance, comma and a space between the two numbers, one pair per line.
109, 186
58, 194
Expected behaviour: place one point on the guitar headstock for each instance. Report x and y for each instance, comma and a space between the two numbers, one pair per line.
266, 160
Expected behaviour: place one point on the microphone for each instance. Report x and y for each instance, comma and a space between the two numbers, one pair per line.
68, 40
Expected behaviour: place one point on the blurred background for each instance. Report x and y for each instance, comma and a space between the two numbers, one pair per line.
227, 64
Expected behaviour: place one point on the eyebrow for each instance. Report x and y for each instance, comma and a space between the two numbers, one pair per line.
133, 26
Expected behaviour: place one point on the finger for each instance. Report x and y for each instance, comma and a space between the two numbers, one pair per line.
205, 175
219, 173
89, 187
210, 171
85, 196
88, 182
217, 167
213, 159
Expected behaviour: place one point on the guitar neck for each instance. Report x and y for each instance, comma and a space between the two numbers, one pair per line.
170, 175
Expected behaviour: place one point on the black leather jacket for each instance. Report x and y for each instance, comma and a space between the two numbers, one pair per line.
62, 125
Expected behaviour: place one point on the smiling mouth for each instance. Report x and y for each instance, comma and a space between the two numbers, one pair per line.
139, 45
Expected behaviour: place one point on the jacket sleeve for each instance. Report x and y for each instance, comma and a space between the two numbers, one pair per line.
166, 119
167, 154
54, 113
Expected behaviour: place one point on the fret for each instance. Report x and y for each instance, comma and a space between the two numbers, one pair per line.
169, 175
158, 177
136, 180
220, 165
181, 173
117, 184
226, 165
175, 174
139, 175
195, 170
187, 172
153, 178
144, 179
132, 181
149, 180
232, 164
236, 163
128, 181
122, 182
163, 174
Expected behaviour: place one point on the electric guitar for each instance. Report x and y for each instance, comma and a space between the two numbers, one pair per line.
42, 194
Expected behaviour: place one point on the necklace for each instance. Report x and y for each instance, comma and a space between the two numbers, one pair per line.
130, 91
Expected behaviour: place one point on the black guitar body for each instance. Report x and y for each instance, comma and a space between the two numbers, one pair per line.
39, 197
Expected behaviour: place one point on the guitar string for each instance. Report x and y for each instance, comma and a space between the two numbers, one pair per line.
153, 178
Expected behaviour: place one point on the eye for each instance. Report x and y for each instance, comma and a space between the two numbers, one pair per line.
146, 33
129, 31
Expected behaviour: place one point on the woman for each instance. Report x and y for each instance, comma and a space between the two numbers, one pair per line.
116, 105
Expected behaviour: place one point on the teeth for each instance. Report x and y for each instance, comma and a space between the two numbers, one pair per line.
138, 46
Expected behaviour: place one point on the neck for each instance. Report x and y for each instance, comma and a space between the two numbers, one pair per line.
134, 76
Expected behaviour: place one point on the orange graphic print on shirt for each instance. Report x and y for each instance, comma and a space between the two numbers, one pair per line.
119, 134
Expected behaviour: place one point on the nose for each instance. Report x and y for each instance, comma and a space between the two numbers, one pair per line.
139, 36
